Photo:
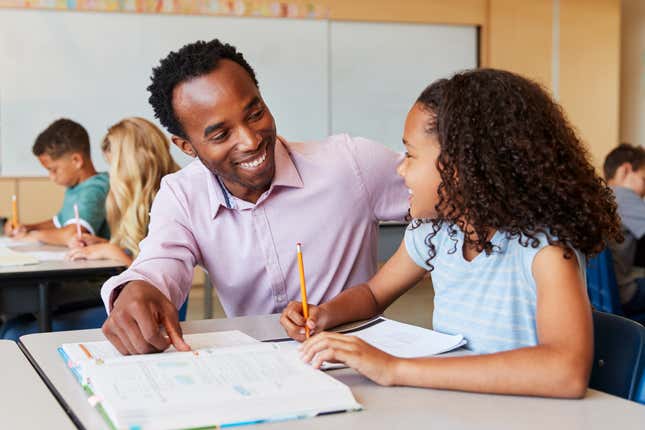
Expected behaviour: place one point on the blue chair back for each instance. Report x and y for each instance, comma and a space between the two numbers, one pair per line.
619, 357
183, 310
80, 319
601, 284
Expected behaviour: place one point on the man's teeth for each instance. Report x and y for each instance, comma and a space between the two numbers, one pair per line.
256, 162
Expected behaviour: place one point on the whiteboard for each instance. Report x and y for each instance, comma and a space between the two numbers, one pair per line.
95, 67
317, 77
379, 69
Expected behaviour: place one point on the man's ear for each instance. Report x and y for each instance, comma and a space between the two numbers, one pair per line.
185, 146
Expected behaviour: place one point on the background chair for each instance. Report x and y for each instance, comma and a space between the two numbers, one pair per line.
619, 357
80, 319
183, 310
603, 288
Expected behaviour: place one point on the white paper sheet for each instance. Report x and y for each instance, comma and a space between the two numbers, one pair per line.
9, 257
398, 339
105, 351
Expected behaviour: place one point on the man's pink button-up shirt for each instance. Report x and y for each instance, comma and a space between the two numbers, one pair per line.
329, 196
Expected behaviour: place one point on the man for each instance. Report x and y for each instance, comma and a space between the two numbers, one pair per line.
241, 207
624, 170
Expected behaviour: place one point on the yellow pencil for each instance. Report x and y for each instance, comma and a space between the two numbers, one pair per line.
14, 212
303, 288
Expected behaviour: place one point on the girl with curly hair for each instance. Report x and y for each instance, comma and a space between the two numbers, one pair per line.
505, 207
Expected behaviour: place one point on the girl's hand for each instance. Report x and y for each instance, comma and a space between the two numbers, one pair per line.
86, 239
91, 252
18, 232
8, 227
354, 352
27, 236
294, 322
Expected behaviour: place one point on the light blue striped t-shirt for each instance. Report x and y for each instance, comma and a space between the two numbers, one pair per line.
491, 300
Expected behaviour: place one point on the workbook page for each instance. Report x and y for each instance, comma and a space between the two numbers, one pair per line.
104, 350
396, 338
214, 387
408, 341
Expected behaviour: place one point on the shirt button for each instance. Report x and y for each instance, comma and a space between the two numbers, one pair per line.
281, 297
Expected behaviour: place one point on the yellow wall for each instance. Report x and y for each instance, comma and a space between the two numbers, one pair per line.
38, 198
521, 37
632, 72
590, 71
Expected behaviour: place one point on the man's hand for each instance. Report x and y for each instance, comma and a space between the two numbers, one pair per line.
140, 314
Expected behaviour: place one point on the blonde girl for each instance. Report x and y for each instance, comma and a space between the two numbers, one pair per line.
139, 156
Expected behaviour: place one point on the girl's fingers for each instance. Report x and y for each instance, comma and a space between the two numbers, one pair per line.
77, 254
291, 327
314, 314
295, 315
293, 331
331, 355
316, 344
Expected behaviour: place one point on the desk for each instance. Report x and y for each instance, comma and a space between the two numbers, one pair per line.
25, 401
385, 407
26, 289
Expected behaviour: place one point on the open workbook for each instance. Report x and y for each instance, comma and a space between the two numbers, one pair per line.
236, 380
229, 378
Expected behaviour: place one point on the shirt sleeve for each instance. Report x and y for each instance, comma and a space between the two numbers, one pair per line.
415, 244
91, 209
385, 189
167, 255
631, 209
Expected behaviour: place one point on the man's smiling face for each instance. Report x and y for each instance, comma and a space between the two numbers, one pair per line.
229, 128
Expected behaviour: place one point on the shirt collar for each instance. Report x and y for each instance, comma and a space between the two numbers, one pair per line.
286, 175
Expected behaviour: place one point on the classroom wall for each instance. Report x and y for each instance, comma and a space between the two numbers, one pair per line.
590, 71
632, 72
571, 46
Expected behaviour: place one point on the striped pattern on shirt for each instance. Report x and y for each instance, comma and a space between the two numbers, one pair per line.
492, 299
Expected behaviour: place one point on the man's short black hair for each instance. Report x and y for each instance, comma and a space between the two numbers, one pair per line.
63, 136
192, 60
623, 153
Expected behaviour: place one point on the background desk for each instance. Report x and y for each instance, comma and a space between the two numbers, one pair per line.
25, 401
32, 288
385, 407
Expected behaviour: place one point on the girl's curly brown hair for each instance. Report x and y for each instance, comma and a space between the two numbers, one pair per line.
510, 161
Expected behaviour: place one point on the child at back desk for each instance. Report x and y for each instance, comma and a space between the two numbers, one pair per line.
139, 156
624, 170
64, 150
505, 206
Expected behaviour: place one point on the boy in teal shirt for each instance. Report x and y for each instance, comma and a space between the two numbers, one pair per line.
63, 149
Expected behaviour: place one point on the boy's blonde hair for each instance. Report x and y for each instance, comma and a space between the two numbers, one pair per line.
139, 157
